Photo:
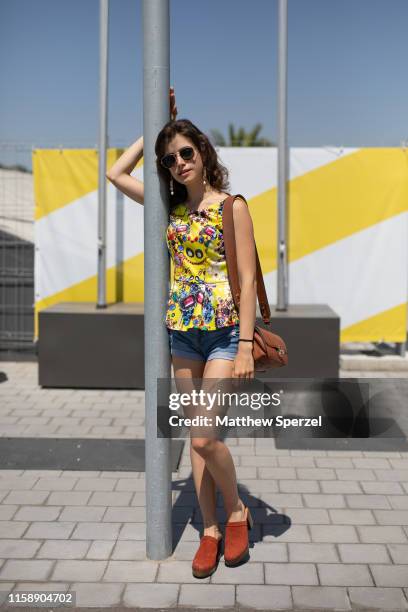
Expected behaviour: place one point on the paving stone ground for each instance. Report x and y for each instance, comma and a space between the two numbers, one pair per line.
331, 526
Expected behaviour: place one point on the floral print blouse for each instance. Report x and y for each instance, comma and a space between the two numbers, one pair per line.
200, 295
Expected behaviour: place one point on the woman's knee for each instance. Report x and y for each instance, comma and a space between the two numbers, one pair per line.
204, 446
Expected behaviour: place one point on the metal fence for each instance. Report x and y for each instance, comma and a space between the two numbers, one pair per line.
16, 248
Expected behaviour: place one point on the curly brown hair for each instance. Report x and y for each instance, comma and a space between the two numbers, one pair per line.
217, 174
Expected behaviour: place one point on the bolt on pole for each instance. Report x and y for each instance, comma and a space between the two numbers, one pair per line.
282, 258
156, 112
103, 121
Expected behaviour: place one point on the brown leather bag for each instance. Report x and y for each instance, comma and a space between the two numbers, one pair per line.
269, 350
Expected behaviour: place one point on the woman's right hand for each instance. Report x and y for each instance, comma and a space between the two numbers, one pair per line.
173, 107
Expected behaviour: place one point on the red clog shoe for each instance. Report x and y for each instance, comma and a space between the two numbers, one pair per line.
207, 556
236, 545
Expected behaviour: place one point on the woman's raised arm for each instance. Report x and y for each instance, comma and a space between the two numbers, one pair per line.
120, 176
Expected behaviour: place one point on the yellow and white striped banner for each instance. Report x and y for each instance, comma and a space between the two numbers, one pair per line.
347, 222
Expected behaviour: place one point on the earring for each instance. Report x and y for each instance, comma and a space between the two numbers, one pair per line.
171, 186
204, 176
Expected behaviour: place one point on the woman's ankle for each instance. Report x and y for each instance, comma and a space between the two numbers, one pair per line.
212, 530
238, 511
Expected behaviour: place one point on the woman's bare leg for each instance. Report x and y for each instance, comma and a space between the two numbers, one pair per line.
206, 493
184, 371
215, 453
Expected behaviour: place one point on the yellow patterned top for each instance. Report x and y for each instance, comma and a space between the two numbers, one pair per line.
200, 295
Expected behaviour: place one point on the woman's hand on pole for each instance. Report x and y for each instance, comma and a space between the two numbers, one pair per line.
173, 107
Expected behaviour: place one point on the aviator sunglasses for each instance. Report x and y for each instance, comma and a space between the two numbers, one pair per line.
170, 159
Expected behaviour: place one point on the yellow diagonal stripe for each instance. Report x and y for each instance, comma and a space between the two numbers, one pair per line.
124, 283
333, 202
70, 174
389, 325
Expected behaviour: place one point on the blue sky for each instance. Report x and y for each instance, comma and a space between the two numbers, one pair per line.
347, 69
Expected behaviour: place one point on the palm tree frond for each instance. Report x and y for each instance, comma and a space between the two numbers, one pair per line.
241, 137
217, 138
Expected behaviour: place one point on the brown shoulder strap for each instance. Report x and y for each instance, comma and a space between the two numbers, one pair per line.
231, 257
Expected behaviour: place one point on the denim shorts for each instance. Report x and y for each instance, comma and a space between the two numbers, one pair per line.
203, 345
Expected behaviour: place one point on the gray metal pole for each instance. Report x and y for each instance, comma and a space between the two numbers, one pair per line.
282, 279
156, 112
103, 121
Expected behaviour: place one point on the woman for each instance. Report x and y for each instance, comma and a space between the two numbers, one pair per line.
205, 331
